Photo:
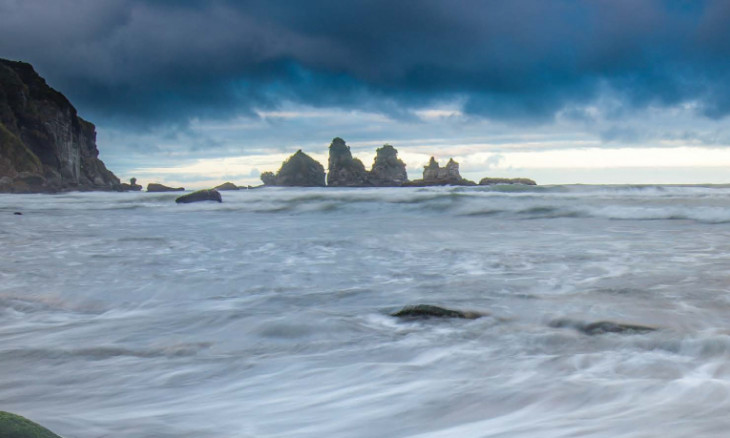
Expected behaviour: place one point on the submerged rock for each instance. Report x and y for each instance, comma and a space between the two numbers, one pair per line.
299, 170
15, 426
345, 171
155, 187
388, 170
495, 181
426, 311
227, 186
601, 327
435, 175
200, 195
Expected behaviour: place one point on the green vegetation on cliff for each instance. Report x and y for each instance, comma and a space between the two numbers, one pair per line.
15, 426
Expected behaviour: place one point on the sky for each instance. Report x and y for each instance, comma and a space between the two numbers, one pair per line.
195, 93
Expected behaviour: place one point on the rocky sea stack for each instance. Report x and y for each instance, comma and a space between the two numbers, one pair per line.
299, 170
435, 175
388, 170
345, 171
44, 145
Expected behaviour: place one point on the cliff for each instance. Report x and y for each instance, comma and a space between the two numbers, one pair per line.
44, 145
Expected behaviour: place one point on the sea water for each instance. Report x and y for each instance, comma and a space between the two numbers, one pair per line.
268, 315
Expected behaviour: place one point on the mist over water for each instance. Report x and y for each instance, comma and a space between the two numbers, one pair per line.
268, 315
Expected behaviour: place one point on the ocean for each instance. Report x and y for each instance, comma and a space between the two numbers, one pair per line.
269, 315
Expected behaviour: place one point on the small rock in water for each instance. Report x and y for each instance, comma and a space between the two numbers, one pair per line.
17, 213
200, 195
425, 311
601, 327
227, 186
15, 426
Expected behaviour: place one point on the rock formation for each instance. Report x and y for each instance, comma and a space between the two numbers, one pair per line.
299, 170
495, 181
156, 187
426, 311
200, 195
44, 145
132, 186
15, 426
388, 170
227, 186
434, 175
601, 327
345, 171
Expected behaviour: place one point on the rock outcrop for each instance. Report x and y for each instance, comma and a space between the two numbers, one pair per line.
299, 170
345, 171
156, 187
497, 181
44, 145
227, 186
200, 195
132, 186
435, 175
388, 170
427, 311
15, 426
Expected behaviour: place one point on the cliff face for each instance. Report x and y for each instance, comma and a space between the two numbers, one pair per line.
44, 145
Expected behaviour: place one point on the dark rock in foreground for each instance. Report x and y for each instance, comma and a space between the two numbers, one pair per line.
132, 186
200, 195
601, 327
435, 175
155, 187
15, 426
345, 171
496, 181
426, 311
388, 170
227, 186
44, 145
299, 170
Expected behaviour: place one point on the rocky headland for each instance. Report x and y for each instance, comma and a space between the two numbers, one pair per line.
44, 145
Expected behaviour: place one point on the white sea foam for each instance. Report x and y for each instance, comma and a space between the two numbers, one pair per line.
269, 315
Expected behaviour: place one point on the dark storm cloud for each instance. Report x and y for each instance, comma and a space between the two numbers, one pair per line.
168, 61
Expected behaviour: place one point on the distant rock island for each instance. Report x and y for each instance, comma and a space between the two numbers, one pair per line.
301, 170
157, 187
435, 175
44, 145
